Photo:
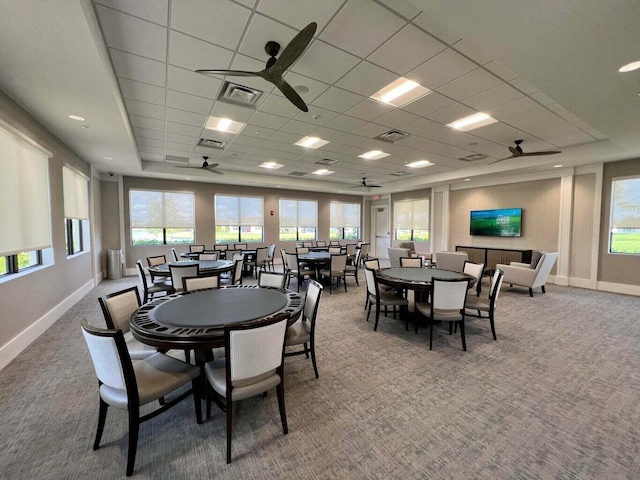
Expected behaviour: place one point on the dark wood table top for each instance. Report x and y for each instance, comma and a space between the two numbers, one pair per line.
315, 257
208, 266
416, 278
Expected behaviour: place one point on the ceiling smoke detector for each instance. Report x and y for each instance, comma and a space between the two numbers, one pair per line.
240, 94
327, 161
207, 142
392, 136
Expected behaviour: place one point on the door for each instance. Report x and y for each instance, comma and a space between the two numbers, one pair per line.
380, 231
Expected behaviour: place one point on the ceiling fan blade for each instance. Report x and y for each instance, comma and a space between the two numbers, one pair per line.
217, 172
184, 166
514, 152
295, 48
533, 154
231, 73
291, 94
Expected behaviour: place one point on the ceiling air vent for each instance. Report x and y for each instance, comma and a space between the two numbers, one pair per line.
239, 94
298, 174
176, 159
474, 157
392, 136
327, 161
206, 142
400, 173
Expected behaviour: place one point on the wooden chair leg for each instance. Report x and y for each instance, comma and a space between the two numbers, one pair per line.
464, 343
306, 349
375, 327
530, 292
369, 311
229, 427
195, 385
493, 327
430, 334
134, 426
102, 416
543, 290
283, 413
313, 358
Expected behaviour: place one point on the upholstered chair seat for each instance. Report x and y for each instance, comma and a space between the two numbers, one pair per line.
246, 388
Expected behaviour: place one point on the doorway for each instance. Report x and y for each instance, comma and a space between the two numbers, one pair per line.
380, 231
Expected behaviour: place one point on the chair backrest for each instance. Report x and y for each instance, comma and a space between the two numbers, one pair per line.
272, 279
229, 254
237, 270
271, 252
372, 281
196, 248
334, 242
292, 260
117, 307
475, 269
373, 263
208, 256
240, 246
544, 268
356, 258
221, 247
321, 243
338, 262
180, 271
410, 245
335, 249
364, 249
110, 357
237, 256
175, 254
395, 254
156, 260
198, 283
302, 250
449, 293
496, 285
351, 248
254, 349
311, 303
307, 244
142, 275
453, 261
413, 262
283, 255
261, 254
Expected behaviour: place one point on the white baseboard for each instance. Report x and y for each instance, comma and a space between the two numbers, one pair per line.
17, 344
558, 280
100, 276
581, 283
619, 288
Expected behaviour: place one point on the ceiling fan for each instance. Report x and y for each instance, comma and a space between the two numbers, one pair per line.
364, 184
276, 67
517, 152
209, 167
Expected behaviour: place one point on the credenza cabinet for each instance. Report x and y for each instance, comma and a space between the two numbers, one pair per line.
493, 256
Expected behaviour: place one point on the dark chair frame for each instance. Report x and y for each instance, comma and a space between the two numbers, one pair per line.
310, 348
105, 310
451, 323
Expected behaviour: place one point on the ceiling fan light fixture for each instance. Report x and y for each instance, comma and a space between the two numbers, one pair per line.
374, 155
419, 164
224, 125
323, 171
629, 67
400, 92
311, 142
472, 122
271, 165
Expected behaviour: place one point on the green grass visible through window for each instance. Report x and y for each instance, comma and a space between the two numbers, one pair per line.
625, 243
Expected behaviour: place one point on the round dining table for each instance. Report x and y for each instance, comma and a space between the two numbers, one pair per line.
206, 267
418, 279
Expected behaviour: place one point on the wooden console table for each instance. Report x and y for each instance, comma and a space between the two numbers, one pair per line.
493, 256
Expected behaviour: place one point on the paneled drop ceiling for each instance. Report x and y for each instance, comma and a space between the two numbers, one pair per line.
150, 49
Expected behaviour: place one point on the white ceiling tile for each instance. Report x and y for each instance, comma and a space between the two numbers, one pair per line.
278, 105
451, 114
523, 86
149, 142
314, 63
403, 8
182, 129
187, 118
474, 50
441, 69
183, 147
191, 103
301, 128
337, 100
188, 81
248, 141
477, 81
257, 132
234, 112
501, 71
436, 28
316, 115
366, 79
146, 122
194, 54
542, 98
179, 153
493, 97
315, 87
196, 18
406, 50
267, 120
142, 92
146, 133
361, 27
370, 130
262, 30
148, 149
328, 134
538, 118
144, 109
176, 138
242, 62
369, 110
137, 68
428, 104
396, 119
133, 35
305, 11
152, 157
515, 107
155, 11
274, 146
345, 123
284, 137
502, 133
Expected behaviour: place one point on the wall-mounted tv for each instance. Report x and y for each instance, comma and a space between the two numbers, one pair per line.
503, 222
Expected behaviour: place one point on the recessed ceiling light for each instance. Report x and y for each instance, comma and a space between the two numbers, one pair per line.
311, 142
557, 166
77, 118
467, 179
85, 126
419, 164
224, 125
271, 165
400, 92
188, 178
108, 158
374, 155
471, 122
629, 67
323, 171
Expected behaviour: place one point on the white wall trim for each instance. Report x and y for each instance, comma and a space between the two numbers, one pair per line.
565, 223
581, 283
17, 344
561, 280
619, 288
508, 180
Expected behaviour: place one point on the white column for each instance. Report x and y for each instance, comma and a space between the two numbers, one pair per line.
564, 233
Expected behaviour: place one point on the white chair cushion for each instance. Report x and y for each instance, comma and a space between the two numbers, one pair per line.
138, 350
217, 376
298, 333
390, 298
477, 303
441, 315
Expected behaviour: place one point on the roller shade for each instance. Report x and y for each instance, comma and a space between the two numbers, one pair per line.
76, 194
411, 215
298, 213
162, 209
231, 210
344, 215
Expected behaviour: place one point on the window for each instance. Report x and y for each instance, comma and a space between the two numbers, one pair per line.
24, 195
298, 220
162, 218
76, 209
624, 229
411, 220
239, 219
345, 221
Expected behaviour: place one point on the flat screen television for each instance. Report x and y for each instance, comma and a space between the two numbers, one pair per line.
503, 222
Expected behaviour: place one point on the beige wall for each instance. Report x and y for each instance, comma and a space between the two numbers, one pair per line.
110, 219
539, 200
96, 201
205, 215
616, 268
582, 226
26, 299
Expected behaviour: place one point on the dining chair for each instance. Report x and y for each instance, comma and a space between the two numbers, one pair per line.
161, 285
272, 279
337, 267
476, 270
259, 261
229, 254
175, 254
270, 263
448, 298
302, 332
307, 243
382, 298
334, 242
196, 248
253, 364
128, 386
117, 308
487, 305
412, 262
198, 283
180, 271
352, 269
321, 243
364, 251
285, 267
238, 267
298, 270
157, 260
240, 246
211, 256
335, 249
351, 249
221, 247
302, 250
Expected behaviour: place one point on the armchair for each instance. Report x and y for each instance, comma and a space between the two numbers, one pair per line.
522, 274
395, 254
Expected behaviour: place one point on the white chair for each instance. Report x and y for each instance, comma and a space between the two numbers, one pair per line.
381, 298
453, 261
198, 283
476, 270
448, 296
395, 254
337, 268
128, 386
196, 248
334, 249
240, 246
259, 262
270, 263
487, 305
296, 269
524, 275
174, 254
253, 364
180, 271
302, 250
117, 309
303, 331
352, 270
321, 243
412, 262
272, 279
157, 260
161, 285
211, 256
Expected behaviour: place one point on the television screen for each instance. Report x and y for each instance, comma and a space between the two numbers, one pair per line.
504, 222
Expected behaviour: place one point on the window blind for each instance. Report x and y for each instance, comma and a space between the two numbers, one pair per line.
344, 215
76, 194
411, 215
150, 209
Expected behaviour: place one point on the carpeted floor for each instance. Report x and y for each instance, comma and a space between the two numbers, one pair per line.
557, 396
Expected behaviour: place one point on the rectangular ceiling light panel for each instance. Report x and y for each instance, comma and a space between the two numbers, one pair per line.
472, 122
311, 142
400, 93
374, 155
419, 164
224, 125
